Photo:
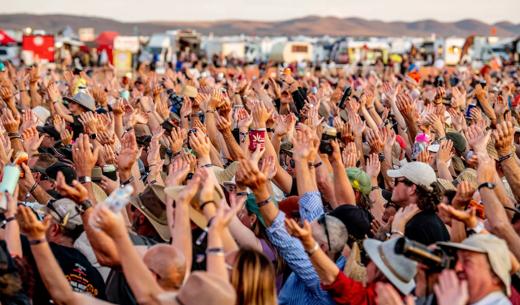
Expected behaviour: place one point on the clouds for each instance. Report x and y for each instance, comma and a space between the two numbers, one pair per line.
387, 10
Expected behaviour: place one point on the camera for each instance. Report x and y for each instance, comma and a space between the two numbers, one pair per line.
329, 134
435, 259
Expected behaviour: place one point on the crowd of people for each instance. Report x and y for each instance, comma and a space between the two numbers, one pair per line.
205, 186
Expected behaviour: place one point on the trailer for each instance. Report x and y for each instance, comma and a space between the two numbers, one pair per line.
291, 51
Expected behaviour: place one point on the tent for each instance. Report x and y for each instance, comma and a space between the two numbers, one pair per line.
105, 42
5, 39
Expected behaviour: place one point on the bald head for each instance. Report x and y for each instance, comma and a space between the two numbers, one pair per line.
167, 264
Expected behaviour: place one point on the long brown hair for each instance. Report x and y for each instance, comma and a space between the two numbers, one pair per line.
253, 279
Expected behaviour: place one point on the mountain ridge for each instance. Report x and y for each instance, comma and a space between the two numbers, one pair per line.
312, 25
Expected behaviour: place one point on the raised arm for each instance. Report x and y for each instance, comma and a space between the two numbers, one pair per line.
139, 277
495, 212
180, 226
290, 249
50, 272
504, 135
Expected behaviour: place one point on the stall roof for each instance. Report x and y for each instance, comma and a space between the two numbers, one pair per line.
106, 38
5, 39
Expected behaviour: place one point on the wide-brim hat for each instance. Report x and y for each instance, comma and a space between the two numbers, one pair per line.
152, 204
398, 269
201, 288
225, 174
195, 214
496, 250
83, 100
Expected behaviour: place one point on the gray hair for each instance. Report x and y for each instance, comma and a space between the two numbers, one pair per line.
338, 234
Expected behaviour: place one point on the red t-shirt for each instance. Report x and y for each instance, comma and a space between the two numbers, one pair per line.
345, 290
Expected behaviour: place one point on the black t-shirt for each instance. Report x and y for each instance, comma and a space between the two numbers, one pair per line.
117, 289
82, 276
427, 228
76, 126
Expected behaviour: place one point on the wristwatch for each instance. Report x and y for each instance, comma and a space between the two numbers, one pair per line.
83, 206
84, 179
488, 185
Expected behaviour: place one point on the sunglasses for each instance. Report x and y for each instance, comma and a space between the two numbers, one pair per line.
402, 180
323, 221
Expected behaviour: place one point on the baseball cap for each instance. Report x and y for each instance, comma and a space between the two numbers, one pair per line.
67, 171
359, 179
356, 220
459, 142
417, 172
49, 130
64, 212
496, 250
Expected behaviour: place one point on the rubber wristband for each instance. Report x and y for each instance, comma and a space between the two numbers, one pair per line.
6, 221
263, 202
35, 242
215, 251
503, 158
125, 183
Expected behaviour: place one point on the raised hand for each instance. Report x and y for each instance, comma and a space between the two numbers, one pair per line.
449, 290
31, 140
177, 172
53, 92
29, 120
458, 98
268, 167
83, 156
445, 152
504, 136
464, 193
129, 152
76, 192
469, 217
477, 138
111, 223
305, 145
29, 224
223, 124
260, 114
200, 143
406, 106
304, 234
90, 122
249, 175
373, 166
224, 216
457, 119
10, 121
244, 119
374, 140
403, 216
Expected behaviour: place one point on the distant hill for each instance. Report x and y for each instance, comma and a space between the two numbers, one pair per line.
310, 25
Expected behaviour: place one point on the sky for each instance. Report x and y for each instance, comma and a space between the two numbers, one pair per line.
268, 10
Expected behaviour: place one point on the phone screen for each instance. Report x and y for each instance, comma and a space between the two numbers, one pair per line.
256, 137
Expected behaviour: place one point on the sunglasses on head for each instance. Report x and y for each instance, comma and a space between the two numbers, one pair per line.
323, 221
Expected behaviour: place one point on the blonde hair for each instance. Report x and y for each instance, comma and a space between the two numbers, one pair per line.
253, 278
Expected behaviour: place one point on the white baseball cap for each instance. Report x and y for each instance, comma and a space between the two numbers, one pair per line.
417, 172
